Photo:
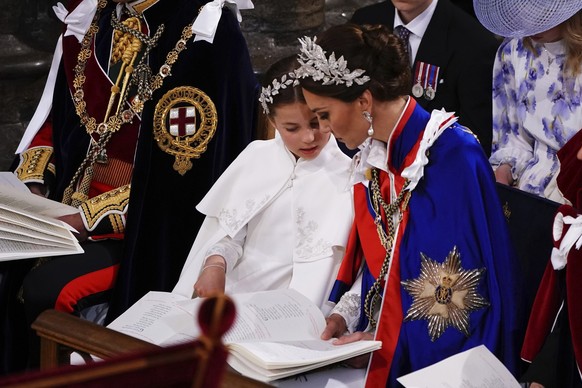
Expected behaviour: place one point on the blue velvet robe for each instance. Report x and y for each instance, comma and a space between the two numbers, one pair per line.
454, 204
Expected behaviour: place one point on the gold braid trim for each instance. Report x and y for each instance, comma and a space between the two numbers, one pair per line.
96, 208
33, 164
117, 223
52, 169
139, 8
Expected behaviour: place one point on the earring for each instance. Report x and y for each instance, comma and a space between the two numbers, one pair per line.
368, 117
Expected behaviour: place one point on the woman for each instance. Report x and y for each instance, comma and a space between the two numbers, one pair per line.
427, 270
267, 224
537, 83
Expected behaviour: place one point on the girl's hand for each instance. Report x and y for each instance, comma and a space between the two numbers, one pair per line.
212, 278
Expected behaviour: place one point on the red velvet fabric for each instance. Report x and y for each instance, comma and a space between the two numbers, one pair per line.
548, 299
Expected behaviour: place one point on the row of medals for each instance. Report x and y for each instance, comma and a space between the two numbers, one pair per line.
418, 91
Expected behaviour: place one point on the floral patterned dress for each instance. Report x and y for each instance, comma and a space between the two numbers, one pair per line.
536, 110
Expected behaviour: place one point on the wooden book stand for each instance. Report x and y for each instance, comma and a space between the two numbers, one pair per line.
129, 361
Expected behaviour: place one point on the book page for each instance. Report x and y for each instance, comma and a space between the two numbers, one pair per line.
40, 239
51, 234
473, 368
276, 316
273, 355
166, 319
12, 250
312, 358
284, 315
158, 319
9, 179
35, 221
13, 195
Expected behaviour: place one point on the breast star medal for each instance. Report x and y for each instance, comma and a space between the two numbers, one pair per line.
444, 294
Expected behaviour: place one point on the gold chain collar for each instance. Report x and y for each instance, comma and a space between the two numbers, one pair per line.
386, 237
114, 122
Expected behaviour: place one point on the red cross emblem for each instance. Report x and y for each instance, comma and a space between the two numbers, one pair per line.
183, 121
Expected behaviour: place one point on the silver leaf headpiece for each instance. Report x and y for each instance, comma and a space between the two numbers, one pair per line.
330, 71
267, 93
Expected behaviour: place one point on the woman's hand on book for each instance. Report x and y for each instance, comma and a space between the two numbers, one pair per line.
335, 327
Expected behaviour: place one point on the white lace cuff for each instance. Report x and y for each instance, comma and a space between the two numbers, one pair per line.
349, 307
230, 249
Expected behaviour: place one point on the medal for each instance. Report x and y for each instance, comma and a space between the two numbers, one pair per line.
429, 93
430, 80
417, 90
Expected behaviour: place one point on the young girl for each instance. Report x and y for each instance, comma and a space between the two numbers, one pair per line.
279, 216
537, 82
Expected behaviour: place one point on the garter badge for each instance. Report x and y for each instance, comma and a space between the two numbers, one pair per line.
185, 121
444, 294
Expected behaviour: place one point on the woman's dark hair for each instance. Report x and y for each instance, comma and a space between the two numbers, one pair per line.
288, 95
371, 48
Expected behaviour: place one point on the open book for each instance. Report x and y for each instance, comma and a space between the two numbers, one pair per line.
275, 334
28, 227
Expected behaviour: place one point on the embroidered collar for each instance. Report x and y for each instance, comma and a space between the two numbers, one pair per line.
375, 154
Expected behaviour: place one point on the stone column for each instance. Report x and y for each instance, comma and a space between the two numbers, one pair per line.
28, 34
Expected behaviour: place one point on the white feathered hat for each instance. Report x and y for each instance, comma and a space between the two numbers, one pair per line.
520, 18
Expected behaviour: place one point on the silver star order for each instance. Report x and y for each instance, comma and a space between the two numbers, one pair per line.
444, 294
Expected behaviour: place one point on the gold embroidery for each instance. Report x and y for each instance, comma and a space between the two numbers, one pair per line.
185, 143
506, 211
386, 233
52, 169
33, 164
97, 207
444, 294
116, 223
139, 8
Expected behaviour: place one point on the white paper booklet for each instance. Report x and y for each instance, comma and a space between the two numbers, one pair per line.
275, 334
28, 227
476, 367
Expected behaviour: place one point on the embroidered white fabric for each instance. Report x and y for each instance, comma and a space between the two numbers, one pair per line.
572, 238
235, 220
349, 307
229, 248
439, 121
306, 245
